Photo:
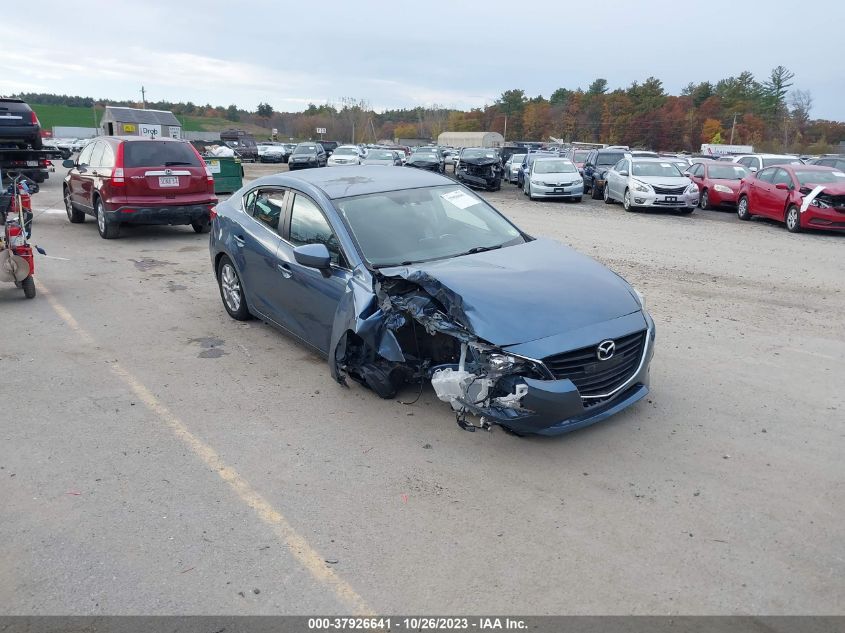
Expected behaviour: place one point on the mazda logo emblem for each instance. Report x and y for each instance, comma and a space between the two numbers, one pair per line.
605, 350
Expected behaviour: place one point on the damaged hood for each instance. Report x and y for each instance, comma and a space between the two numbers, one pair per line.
522, 293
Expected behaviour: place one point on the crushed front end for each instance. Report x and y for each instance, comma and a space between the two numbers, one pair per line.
483, 173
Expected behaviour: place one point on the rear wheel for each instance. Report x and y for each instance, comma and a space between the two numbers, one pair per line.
231, 290
742, 210
37, 143
201, 226
74, 215
793, 219
108, 230
28, 286
594, 191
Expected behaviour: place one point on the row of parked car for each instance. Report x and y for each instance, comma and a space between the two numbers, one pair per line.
802, 195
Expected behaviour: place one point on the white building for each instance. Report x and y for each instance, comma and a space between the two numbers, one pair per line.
471, 139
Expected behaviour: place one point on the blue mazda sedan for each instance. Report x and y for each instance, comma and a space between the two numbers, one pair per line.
402, 276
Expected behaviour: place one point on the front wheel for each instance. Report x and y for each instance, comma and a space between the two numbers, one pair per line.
793, 219
606, 195
742, 210
626, 201
74, 215
705, 200
28, 286
231, 290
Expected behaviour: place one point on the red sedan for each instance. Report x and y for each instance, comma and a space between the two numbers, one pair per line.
800, 196
718, 182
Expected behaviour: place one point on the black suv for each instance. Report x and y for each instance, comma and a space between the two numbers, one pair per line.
18, 124
328, 146
309, 154
596, 165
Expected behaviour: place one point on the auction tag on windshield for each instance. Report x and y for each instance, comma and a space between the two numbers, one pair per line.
839, 174
460, 199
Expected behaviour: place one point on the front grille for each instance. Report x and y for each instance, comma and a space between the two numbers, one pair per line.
479, 170
593, 377
668, 191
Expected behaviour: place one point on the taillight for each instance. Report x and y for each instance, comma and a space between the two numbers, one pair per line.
212, 212
35, 120
118, 179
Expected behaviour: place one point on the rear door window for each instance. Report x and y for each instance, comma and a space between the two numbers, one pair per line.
159, 154
97, 154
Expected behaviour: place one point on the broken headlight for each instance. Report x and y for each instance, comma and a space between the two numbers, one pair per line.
500, 363
821, 204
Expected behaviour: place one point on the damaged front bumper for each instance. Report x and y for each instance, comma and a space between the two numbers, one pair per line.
548, 406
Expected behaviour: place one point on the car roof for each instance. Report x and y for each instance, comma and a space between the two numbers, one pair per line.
342, 182
807, 167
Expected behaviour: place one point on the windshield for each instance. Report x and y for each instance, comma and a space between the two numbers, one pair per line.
517, 158
780, 160
655, 169
807, 177
608, 159
727, 172
346, 151
416, 225
554, 167
479, 153
305, 149
380, 155
580, 156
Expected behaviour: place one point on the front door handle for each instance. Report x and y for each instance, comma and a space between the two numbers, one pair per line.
285, 270
239, 240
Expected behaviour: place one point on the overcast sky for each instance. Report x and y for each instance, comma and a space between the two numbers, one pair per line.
406, 53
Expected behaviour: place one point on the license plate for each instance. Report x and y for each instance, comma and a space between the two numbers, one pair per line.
558, 189
671, 198
168, 181
32, 163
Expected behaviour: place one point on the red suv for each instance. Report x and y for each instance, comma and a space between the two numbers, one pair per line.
135, 180
800, 196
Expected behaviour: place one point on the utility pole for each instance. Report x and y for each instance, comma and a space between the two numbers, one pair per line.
505, 135
143, 98
733, 127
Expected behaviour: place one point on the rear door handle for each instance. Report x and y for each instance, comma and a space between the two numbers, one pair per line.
285, 270
240, 241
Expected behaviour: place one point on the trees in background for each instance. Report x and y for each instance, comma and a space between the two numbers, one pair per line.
769, 114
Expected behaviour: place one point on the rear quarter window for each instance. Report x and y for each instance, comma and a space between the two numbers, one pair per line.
158, 154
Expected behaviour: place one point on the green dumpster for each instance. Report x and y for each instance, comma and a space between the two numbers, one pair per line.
228, 173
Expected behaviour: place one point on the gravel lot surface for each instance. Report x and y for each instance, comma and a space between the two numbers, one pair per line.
159, 457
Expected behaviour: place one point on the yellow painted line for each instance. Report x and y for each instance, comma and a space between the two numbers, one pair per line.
296, 544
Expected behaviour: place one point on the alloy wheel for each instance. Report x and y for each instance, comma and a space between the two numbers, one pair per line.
626, 201
231, 287
101, 217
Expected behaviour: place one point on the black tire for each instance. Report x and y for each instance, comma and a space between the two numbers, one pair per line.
606, 195
39, 177
578, 199
792, 218
742, 210
231, 290
74, 215
28, 286
626, 201
594, 191
201, 226
107, 230
704, 202
685, 210
37, 143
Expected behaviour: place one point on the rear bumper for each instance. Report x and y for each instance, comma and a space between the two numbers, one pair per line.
18, 132
181, 214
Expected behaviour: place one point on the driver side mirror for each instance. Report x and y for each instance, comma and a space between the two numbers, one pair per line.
623, 173
69, 163
782, 186
753, 170
314, 256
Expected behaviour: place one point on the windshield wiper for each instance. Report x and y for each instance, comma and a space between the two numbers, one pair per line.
169, 163
480, 249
